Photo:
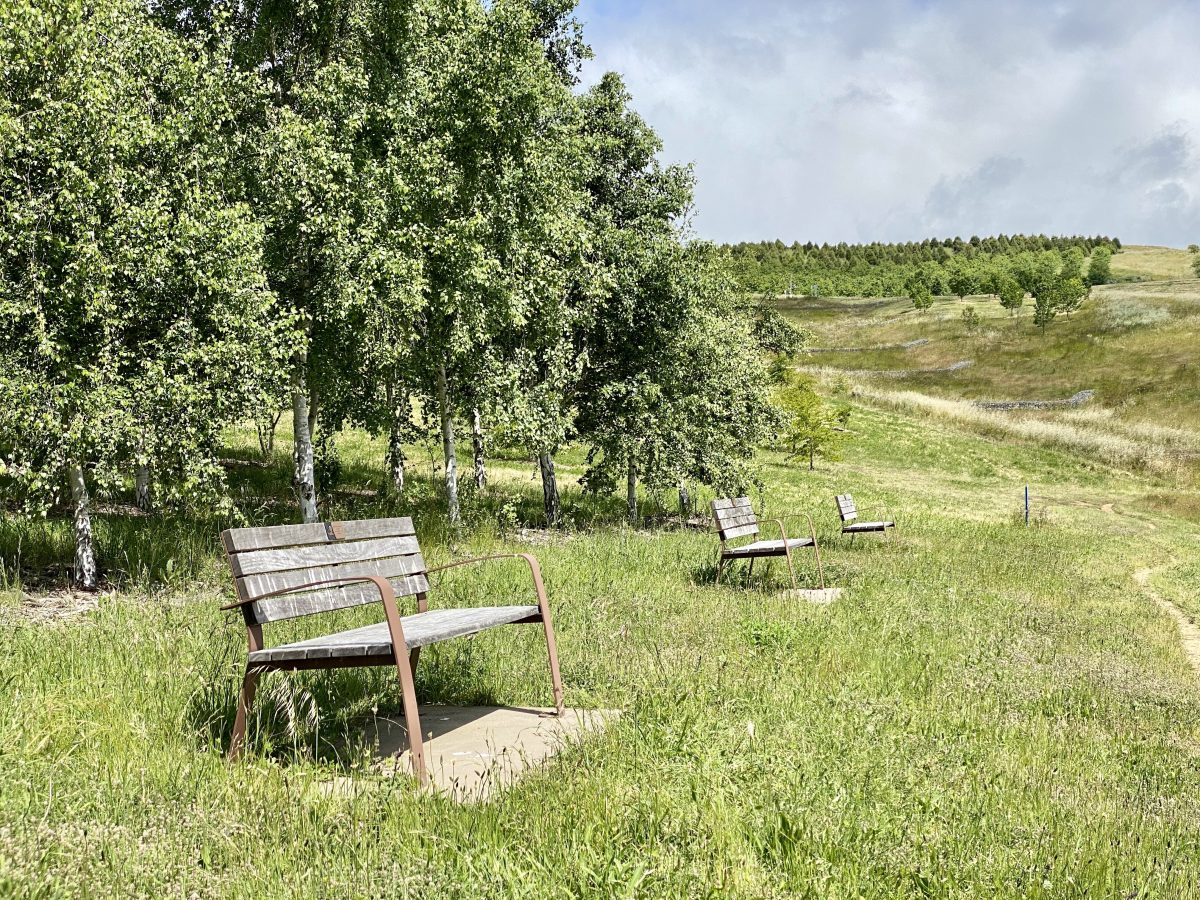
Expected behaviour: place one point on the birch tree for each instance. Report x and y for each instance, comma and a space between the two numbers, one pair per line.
134, 318
499, 203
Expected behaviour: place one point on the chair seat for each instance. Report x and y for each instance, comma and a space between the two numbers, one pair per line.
867, 526
420, 630
766, 548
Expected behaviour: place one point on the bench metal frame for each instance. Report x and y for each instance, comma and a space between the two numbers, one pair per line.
329, 593
735, 518
848, 511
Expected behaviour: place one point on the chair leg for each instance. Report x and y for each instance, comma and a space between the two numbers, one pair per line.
750, 574
412, 719
413, 656
245, 702
820, 567
720, 566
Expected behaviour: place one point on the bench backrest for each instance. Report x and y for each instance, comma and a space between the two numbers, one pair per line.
734, 517
846, 508
283, 556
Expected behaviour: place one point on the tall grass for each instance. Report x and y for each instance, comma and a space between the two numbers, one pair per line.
989, 711
1097, 434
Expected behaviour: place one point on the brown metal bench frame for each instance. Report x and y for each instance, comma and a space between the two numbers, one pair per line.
745, 524
405, 667
848, 516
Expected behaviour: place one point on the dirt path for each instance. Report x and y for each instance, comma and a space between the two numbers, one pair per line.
1189, 634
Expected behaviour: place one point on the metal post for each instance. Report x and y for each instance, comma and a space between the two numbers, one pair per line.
1026, 505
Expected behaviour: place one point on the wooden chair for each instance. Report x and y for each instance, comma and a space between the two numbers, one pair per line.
849, 511
735, 519
284, 571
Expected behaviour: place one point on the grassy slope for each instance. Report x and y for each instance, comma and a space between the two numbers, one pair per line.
1134, 344
1152, 263
993, 710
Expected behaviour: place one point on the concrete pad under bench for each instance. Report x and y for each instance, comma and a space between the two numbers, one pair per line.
473, 752
816, 595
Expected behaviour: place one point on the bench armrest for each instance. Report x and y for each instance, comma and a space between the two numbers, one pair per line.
535, 572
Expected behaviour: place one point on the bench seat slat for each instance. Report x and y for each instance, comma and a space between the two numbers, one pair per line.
251, 586
257, 561
767, 548
271, 537
288, 606
724, 503
867, 526
420, 630
734, 521
728, 534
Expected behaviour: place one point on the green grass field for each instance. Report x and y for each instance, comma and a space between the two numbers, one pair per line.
992, 709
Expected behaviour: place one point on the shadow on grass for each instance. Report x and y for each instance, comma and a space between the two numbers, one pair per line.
323, 716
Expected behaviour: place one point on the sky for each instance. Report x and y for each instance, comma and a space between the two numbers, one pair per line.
897, 120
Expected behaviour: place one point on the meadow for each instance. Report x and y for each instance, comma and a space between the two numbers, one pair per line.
991, 710
1132, 343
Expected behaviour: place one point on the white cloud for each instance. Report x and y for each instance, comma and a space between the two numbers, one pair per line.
899, 119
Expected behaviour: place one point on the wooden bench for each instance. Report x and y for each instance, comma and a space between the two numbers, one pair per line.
849, 511
284, 571
735, 519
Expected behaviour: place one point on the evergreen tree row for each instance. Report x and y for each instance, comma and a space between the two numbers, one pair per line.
877, 269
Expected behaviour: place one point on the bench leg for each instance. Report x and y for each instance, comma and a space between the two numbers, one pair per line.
412, 719
245, 701
555, 675
820, 567
720, 566
750, 574
787, 553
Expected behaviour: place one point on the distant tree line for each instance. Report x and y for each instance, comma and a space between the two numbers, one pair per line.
944, 266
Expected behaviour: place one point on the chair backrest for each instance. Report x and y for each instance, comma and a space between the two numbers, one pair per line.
846, 508
284, 556
734, 517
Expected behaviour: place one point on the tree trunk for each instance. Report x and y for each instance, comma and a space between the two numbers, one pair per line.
141, 483
631, 506
395, 452
685, 502
443, 391
266, 425
85, 552
477, 447
551, 502
303, 478
812, 458
314, 403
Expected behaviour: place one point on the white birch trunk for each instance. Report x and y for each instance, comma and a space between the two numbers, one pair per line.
443, 391
631, 505
141, 483
477, 448
86, 576
303, 478
551, 502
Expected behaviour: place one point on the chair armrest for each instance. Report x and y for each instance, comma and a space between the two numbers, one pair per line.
385, 589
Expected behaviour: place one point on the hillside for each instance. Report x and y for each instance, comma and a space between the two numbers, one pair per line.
1132, 344
1152, 263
